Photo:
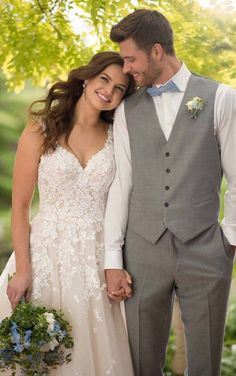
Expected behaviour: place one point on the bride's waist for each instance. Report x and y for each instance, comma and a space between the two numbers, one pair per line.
57, 213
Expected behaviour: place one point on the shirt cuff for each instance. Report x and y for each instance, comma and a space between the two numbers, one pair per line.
229, 232
113, 260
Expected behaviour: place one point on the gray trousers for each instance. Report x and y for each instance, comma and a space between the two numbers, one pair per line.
199, 273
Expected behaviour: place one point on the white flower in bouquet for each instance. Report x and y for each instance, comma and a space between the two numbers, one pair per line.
50, 320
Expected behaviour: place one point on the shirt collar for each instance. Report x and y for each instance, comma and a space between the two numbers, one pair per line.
180, 78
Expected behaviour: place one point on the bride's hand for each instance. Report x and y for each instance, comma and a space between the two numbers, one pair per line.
19, 286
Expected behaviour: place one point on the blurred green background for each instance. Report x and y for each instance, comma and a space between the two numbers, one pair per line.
13, 117
42, 40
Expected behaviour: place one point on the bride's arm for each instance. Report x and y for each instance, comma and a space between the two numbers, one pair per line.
24, 181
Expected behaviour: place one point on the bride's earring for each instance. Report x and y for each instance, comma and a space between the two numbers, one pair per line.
84, 89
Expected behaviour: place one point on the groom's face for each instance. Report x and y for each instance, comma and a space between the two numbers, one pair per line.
141, 65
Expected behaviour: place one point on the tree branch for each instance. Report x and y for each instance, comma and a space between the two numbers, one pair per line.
44, 12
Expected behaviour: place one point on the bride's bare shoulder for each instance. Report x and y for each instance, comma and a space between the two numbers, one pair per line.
32, 132
31, 138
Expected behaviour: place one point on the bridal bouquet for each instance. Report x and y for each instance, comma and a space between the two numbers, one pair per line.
36, 339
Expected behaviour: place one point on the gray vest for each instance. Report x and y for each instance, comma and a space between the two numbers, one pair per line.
176, 183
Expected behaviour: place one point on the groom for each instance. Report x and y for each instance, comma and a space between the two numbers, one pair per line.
173, 138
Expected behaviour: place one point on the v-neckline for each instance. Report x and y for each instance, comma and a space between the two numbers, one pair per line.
178, 115
84, 167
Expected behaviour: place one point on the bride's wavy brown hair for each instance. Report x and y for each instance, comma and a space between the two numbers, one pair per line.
57, 113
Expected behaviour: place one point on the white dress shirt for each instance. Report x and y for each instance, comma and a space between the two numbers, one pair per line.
167, 106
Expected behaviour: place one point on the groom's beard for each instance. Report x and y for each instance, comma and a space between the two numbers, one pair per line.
149, 75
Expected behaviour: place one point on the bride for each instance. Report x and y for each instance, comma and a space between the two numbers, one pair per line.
67, 150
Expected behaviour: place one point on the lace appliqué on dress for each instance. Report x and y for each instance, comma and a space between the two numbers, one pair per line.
71, 221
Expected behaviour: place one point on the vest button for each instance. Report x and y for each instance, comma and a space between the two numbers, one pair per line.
166, 204
167, 187
168, 170
167, 154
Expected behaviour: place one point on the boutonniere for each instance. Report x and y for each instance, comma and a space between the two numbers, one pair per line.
194, 106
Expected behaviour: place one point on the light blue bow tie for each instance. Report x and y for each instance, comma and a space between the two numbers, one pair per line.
170, 86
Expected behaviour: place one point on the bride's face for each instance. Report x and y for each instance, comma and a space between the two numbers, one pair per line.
106, 90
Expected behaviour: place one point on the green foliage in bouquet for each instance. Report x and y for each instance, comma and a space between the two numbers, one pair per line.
36, 339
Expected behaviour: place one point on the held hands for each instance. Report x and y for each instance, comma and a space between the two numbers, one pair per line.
20, 285
118, 284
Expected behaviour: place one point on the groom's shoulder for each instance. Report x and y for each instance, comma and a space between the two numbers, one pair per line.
223, 88
204, 80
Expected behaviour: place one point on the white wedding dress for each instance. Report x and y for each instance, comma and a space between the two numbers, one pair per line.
67, 246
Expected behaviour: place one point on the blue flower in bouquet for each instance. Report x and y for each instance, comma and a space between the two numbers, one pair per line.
15, 336
27, 339
61, 335
18, 348
55, 329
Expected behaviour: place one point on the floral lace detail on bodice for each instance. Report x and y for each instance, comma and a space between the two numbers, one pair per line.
69, 225
69, 190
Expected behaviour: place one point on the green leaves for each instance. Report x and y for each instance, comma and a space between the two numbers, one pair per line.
39, 40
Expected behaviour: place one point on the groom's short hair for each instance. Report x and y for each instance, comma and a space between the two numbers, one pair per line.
145, 27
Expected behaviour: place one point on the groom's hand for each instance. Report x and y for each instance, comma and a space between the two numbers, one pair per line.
118, 284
